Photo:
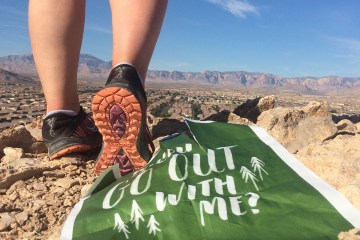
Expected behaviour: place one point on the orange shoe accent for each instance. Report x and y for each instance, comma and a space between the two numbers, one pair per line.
72, 149
118, 135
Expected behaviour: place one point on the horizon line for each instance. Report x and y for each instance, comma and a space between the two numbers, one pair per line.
204, 71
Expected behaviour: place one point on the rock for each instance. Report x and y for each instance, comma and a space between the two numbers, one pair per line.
17, 137
311, 129
346, 126
296, 128
233, 118
13, 196
51, 218
39, 187
68, 202
71, 168
35, 128
222, 116
336, 161
17, 185
251, 109
227, 117
352, 192
12, 154
66, 183
25, 163
67, 160
357, 125
85, 189
24, 174
167, 127
54, 174
39, 147
21, 218
3, 207
38, 204
55, 234
317, 109
353, 234
39, 227
58, 192
62, 219
266, 103
53, 200
151, 119
5, 221
6, 207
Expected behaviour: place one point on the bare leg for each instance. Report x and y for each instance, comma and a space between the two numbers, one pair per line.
56, 29
136, 28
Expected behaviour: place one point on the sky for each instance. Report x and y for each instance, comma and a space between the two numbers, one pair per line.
293, 38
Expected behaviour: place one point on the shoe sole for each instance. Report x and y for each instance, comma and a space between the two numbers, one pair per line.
73, 149
117, 114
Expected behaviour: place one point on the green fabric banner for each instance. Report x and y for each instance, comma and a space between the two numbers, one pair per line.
226, 181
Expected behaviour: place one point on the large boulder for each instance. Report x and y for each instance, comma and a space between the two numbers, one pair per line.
337, 161
17, 137
35, 128
317, 109
345, 126
297, 128
352, 192
227, 117
167, 127
252, 108
353, 234
20, 137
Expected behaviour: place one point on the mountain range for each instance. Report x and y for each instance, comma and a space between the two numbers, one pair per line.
92, 69
10, 77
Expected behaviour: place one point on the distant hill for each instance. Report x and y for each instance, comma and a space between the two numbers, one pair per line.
90, 67
14, 78
21, 64
93, 69
259, 80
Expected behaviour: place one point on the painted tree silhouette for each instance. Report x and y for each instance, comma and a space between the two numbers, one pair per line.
153, 225
136, 214
258, 165
121, 226
247, 174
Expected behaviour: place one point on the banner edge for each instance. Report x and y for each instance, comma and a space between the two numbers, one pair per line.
335, 198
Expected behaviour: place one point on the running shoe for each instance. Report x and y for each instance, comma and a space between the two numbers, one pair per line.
66, 134
120, 115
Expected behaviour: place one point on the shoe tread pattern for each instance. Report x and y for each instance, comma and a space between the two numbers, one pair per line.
119, 137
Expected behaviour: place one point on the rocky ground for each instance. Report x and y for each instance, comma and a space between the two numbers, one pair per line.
37, 193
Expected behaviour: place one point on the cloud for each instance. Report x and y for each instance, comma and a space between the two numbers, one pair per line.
238, 8
348, 49
98, 29
351, 44
352, 59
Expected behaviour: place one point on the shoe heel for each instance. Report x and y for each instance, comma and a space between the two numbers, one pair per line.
117, 114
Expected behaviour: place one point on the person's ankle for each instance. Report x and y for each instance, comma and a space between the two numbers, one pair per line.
128, 63
71, 113
68, 110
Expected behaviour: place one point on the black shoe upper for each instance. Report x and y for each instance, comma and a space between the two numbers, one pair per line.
59, 131
125, 76
60, 125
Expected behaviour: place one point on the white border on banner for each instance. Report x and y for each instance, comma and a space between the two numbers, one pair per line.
67, 231
341, 204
